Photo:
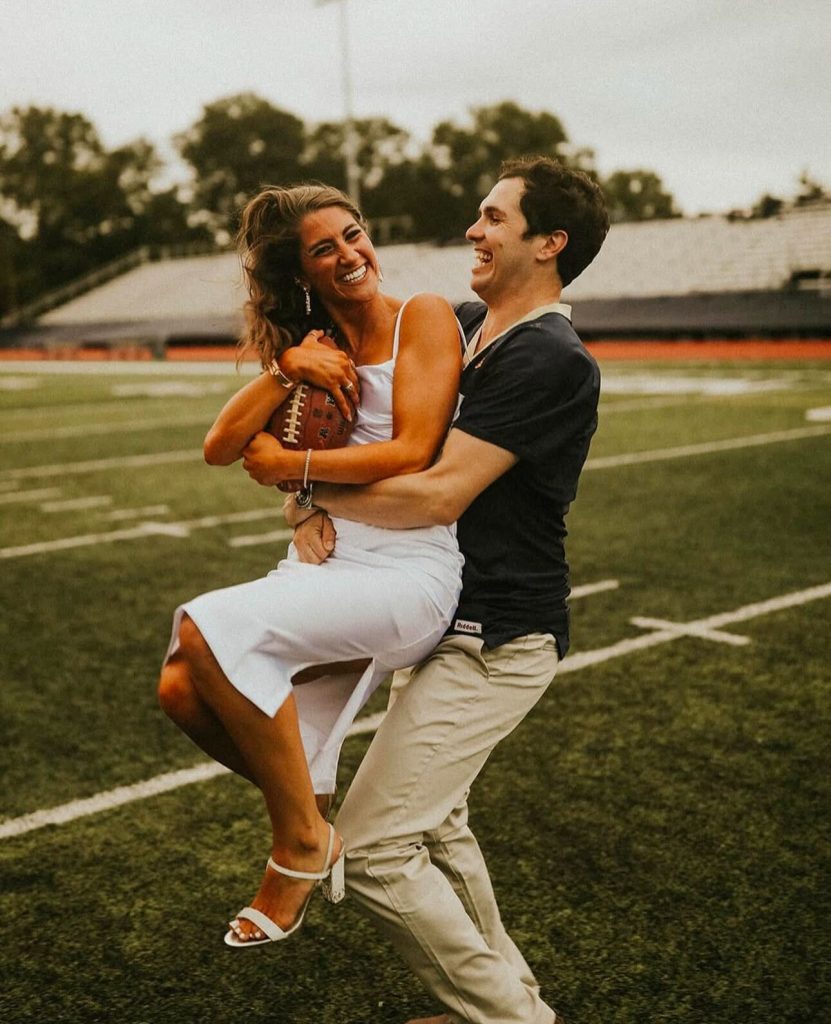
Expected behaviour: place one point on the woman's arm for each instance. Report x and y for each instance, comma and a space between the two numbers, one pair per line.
425, 391
248, 411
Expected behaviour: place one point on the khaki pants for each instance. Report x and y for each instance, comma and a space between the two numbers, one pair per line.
412, 862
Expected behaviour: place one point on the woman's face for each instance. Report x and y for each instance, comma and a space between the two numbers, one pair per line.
337, 260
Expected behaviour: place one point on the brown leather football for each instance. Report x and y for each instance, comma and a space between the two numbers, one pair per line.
308, 418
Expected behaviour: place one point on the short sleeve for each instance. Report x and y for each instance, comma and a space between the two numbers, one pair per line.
533, 397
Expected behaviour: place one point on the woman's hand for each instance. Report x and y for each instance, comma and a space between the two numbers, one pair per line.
325, 366
263, 460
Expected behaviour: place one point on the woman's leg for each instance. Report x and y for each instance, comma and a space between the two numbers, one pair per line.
272, 749
180, 701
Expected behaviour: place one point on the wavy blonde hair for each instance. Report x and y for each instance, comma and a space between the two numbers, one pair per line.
268, 244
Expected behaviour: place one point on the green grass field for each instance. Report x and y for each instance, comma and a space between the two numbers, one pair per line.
657, 829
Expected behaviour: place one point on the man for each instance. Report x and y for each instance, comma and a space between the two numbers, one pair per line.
507, 473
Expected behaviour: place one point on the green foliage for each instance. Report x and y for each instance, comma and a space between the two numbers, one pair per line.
637, 195
73, 204
238, 145
468, 157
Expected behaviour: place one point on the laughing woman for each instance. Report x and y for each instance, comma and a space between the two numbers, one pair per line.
267, 676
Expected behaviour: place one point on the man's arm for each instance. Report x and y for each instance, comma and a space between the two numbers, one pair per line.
439, 495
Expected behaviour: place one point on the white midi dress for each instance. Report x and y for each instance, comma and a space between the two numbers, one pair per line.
383, 594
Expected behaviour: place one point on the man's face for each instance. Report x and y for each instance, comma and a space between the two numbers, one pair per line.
502, 255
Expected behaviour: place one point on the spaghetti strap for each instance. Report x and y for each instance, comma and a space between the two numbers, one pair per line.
397, 333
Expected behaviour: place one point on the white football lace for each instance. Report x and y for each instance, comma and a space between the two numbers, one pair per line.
291, 424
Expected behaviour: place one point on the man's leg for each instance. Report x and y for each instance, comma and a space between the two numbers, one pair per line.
454, 850
435, 739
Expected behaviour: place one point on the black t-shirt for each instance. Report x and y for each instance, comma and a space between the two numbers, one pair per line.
534, 392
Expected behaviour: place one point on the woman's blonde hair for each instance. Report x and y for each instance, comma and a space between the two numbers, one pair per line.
268, 244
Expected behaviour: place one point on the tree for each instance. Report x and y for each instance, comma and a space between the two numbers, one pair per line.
469, 157
238, 145
637, 195
381, 145
72, 204
810, 191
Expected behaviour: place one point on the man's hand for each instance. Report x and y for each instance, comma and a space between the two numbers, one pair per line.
314, 538
262, 459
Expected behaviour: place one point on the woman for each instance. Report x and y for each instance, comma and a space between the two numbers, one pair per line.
231, 678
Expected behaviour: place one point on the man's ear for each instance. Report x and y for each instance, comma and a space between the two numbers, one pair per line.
553, 246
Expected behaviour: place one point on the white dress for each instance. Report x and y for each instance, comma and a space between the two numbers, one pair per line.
383, 594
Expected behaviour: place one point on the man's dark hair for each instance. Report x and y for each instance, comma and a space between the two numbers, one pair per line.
557, 198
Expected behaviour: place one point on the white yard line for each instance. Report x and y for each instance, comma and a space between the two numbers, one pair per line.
19, 497
111, 798
642, 404
594, 588
134, 513
128, 368
173, 780
93, 429
181, 529
690, 629
664, 636
77, 504
706, 448
252, 540
141, 530
95, 465
611, 461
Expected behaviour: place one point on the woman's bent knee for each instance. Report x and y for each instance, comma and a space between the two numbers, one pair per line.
176, 691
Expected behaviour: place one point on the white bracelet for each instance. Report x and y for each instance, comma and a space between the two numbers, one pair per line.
286, 382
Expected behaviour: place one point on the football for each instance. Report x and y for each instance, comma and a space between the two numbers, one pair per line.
308, 418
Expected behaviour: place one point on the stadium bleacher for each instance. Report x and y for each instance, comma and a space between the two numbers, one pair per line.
706, 277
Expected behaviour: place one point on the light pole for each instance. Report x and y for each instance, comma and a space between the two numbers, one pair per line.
350, 144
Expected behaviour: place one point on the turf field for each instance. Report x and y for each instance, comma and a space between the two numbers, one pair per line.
656, 830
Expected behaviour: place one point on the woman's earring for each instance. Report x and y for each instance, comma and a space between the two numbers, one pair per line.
380, 276
307, 295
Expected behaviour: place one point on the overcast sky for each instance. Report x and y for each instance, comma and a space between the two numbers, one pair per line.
724, 99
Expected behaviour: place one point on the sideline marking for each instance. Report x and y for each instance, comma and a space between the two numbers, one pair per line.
172, 780
706, 448
818, 415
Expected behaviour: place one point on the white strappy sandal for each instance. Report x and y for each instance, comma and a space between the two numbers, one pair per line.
331, 880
